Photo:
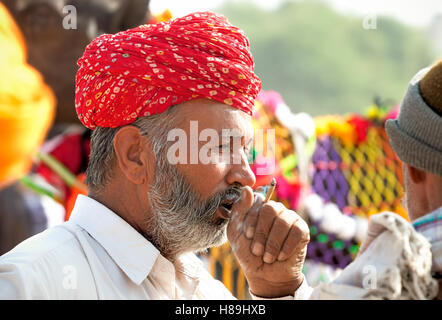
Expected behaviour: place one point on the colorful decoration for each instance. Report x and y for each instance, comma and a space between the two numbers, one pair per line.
352, 174
75, 191
27, 104
166, 15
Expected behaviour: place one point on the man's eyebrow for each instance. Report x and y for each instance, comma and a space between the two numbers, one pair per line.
229, 133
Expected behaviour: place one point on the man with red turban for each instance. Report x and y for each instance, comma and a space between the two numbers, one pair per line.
135, 234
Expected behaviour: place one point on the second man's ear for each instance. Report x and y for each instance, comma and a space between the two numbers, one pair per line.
416, 175
131, 150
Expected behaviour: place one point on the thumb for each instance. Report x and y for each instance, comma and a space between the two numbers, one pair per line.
239, 212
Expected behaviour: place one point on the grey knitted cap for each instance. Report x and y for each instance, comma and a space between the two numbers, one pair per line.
416, 134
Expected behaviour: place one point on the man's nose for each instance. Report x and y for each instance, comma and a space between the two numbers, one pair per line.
241, 172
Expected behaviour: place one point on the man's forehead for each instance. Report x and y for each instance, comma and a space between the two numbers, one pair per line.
209, 114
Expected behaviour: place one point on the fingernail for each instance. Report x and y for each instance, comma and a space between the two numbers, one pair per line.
282, 256
268, 258
257, 249
250, 232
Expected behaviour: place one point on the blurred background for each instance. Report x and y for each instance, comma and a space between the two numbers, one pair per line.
332, 56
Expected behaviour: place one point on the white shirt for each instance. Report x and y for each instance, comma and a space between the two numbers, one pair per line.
98, 255
394, 262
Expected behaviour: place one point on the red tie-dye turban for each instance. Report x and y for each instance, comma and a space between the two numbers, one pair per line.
145, 70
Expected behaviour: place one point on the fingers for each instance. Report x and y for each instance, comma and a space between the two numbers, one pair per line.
278, 239
267, 215
274, 232
279, 233
252, 216
238, 213
297, 238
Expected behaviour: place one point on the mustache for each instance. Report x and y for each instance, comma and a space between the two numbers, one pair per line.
231, 194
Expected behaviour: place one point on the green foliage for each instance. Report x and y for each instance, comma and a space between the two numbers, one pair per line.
323, 62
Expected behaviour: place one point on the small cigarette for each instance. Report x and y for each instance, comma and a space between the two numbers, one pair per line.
270, 190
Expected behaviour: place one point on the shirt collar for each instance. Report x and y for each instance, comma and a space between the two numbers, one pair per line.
129, 249
428, 219
430, 225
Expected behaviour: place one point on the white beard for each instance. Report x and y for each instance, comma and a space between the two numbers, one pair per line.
180, 220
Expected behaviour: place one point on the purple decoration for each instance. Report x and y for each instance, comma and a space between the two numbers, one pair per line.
326, 253
328, 257
334, 155
329, 184
341, 201
322, 146
311, 249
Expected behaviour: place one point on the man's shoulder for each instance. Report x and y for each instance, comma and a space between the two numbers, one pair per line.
38, 267
60, 238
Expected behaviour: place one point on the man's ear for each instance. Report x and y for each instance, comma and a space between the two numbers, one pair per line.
132, 154
416, 175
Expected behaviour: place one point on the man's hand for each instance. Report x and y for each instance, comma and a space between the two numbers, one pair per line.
270, 243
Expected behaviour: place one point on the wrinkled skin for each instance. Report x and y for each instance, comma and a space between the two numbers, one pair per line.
268, 240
